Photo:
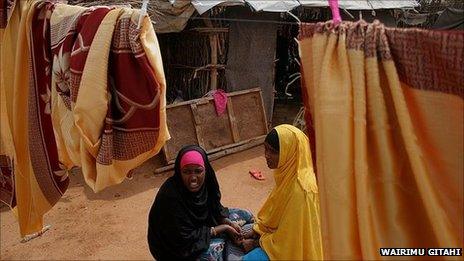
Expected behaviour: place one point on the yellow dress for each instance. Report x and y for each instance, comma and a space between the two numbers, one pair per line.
289, 221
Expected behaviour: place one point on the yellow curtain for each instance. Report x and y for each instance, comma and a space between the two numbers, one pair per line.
387, 111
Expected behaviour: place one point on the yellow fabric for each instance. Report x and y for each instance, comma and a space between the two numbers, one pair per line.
289, 221
91, 104
78, 132
8, 40
73, 148
390, 174
31, 203
67, 136
93, 95
153, 52
117, 171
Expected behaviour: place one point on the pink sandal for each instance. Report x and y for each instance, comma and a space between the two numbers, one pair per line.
257, 174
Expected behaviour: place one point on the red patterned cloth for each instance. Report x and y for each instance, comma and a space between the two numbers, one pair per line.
7, 186
429, 60
52, 179
6, 8
70, 46
132, 122
109, 90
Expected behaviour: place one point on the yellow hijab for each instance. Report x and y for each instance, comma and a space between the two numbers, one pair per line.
289, 221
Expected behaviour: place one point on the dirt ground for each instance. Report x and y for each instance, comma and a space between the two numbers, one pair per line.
112, 225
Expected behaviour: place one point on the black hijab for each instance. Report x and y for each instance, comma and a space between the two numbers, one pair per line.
180, 220
272, 139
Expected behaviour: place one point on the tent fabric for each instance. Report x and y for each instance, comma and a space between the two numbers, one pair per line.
172, 15
450, 19
286, 5
384, 16
203, 6
252, 66
273, 6
363, 4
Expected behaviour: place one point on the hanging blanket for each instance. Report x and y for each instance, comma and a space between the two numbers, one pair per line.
35, 182
108, 92
94, 96
72, 32
42, 145
120, 109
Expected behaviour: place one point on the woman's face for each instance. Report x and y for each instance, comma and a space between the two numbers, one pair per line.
271, 155
193, 177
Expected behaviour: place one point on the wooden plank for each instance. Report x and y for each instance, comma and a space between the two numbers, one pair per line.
248, 145
215, 130
264, 111
198, 124
245, 92
214, 60
232, 120
185, 123
164, 169
231, 94
199, 68
228, 147
213, 30
214, 56
249, 115
166, 153
242, 147
237, 144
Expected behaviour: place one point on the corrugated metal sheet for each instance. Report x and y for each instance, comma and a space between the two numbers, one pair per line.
204, 5
364, 4
273, 6
287, 5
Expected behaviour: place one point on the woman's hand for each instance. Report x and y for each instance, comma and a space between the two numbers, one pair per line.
233, 224
250, 234
233, 234
236, 227
229, 230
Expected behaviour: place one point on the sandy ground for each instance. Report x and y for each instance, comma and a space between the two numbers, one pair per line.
112, 224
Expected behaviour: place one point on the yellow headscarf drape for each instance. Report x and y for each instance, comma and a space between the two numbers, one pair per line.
289, 221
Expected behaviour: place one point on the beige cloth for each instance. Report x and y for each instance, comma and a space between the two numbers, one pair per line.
79, 130
66, 134
31, 202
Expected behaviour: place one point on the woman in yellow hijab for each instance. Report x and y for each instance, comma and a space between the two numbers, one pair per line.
288, 224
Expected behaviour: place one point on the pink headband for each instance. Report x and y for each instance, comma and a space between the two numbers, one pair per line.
192, 157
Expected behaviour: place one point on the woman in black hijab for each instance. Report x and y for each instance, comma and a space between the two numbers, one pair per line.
187, 220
